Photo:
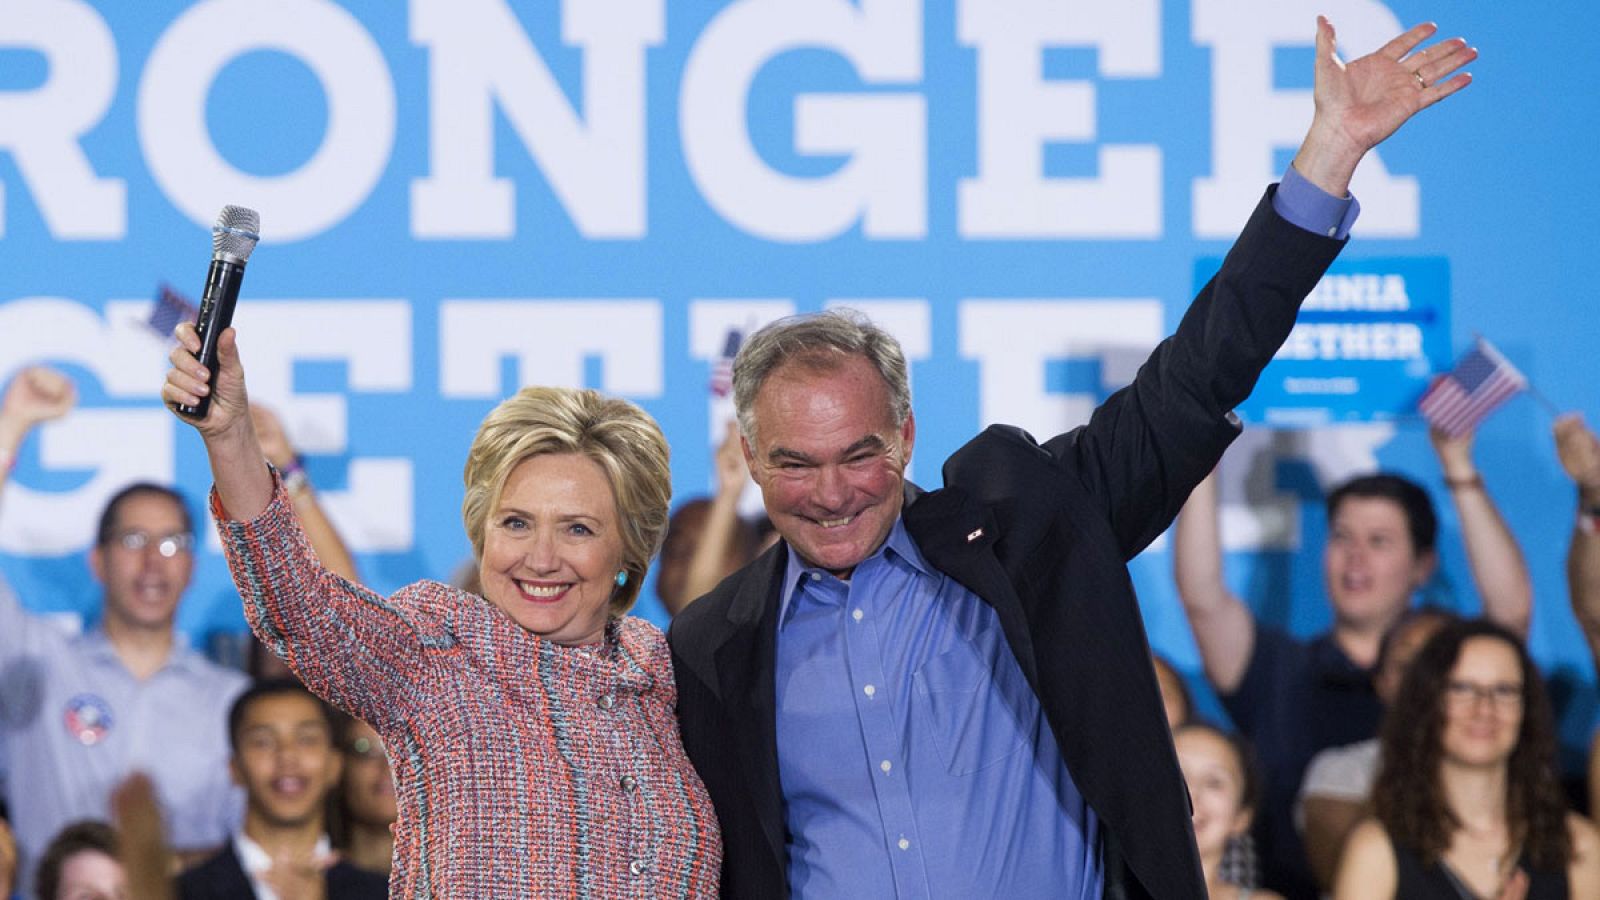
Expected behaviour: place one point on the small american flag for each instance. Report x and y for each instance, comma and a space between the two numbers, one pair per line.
169, 309
722, 369
1482, 380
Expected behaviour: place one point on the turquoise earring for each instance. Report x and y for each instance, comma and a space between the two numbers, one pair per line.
622, 578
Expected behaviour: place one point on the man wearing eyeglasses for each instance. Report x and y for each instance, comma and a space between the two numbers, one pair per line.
80, 713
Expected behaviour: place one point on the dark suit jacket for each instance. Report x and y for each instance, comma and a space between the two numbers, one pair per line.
1042, 533
222, 878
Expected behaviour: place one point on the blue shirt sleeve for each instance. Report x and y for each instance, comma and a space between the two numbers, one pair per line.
1307, 206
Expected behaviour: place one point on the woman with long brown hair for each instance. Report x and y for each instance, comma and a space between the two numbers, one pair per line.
1468, 800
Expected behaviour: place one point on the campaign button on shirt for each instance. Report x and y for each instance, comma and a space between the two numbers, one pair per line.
88, 719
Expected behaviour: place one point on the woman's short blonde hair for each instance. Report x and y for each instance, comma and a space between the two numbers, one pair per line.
620, 437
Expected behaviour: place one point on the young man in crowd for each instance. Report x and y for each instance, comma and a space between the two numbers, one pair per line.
286, 758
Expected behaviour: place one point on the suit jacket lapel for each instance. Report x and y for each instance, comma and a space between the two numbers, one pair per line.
745, 662
231, 880
957, 535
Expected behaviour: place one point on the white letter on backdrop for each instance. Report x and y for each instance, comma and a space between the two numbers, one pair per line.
1019, 112
480, 59
40, 127
884, 182
361, 113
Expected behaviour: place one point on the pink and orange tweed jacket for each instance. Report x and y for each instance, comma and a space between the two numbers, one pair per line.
522, 768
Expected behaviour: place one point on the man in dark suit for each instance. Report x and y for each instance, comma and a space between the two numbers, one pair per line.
285, 758
949, 693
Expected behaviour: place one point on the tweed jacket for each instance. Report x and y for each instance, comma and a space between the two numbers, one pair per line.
522, 768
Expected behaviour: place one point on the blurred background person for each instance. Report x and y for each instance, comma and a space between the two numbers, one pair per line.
1579, 451
517, 709
1468, 798
128, 694
325, 539
1295, 697
707, 540
1224, 790
1337, 790
284, 755
1174, 692
8, 860
80, 863
362, 813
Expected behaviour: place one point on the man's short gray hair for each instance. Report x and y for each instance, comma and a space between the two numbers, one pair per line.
820, 341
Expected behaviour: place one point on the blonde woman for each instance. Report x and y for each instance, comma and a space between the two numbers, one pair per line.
531, 730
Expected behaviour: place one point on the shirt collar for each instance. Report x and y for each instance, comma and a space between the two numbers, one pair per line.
181, 657
255, 860
898, 545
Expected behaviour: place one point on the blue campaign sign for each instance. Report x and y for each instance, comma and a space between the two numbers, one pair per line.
1367, 342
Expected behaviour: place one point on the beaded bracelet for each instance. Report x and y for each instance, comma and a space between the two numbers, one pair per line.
295, 479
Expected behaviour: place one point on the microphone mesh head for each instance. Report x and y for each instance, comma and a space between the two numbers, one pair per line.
236, 232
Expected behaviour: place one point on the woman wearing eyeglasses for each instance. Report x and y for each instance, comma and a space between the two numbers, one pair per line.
1468, 800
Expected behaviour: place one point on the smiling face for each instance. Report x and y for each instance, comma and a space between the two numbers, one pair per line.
1483, 704
1216, 788
552, 548
143, 584
829, 459
285, 760
1370, 564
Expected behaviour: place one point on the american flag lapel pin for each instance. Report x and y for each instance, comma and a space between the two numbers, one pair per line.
975, 535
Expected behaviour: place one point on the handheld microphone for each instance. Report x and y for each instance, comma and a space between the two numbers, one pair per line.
232, 239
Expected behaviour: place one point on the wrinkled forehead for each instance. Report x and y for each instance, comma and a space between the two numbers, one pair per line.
845, 386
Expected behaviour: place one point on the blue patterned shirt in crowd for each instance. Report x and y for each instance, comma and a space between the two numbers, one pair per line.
75, 722
914, 757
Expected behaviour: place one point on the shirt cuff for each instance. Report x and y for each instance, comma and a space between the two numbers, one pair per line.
1307, 206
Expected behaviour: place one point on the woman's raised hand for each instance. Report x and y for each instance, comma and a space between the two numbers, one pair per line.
187, 382
237, 463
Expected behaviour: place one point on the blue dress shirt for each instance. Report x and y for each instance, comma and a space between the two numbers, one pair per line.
914, 757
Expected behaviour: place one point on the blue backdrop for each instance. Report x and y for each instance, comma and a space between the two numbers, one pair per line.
461, 196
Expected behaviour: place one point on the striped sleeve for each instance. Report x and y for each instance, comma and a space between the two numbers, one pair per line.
350, 645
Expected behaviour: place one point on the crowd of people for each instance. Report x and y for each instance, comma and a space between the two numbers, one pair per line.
215, 767
885, 691
1345, 729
